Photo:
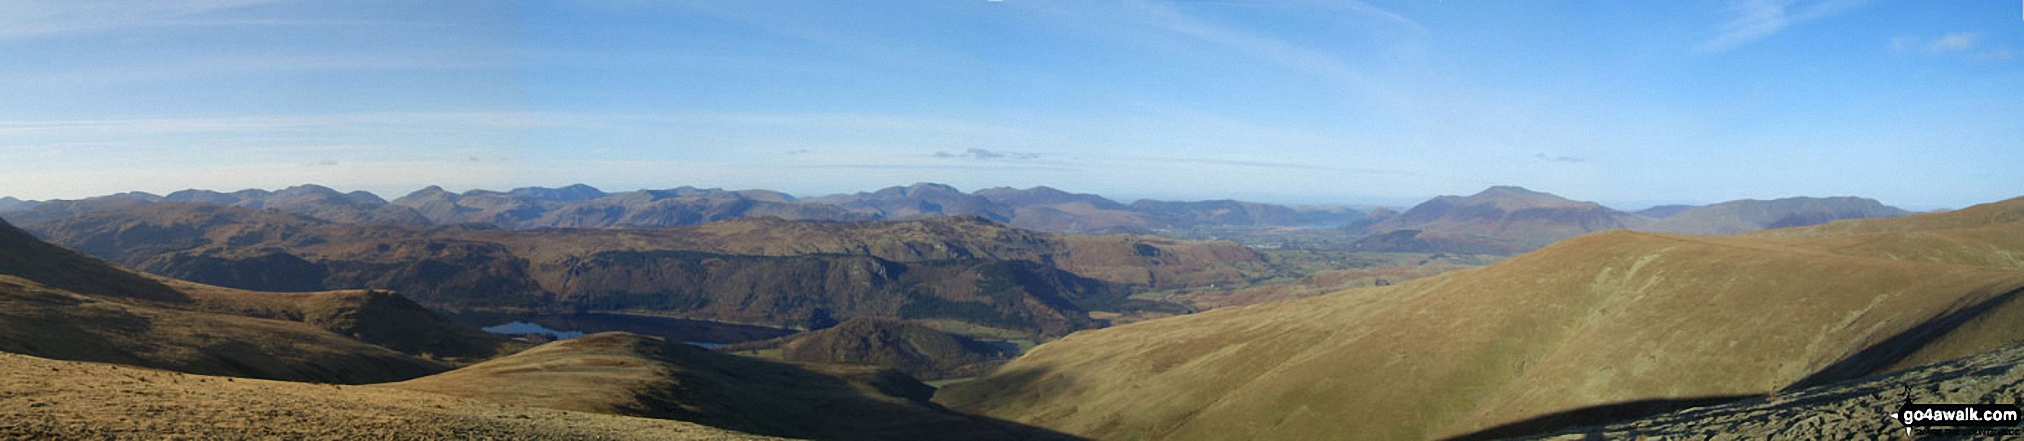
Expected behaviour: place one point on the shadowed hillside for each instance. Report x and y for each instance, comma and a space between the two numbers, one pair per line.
1608, 318
58, 304
914, 349
627, 374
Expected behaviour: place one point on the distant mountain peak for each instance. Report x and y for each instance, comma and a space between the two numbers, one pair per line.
309, 188
919, 187
1508, 189
1512, 198
570, 193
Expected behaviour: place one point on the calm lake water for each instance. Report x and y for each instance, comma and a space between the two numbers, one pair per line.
530, 328
696, 332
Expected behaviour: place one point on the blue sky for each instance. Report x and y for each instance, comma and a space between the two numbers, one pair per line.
1919, 104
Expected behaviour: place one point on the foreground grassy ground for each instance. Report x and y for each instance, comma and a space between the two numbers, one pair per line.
49, 399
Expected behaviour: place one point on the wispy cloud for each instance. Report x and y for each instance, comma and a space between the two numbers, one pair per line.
24, 19
1292, 56
982, 154
1966, 44
1953, 42
1554, 158
1757, 19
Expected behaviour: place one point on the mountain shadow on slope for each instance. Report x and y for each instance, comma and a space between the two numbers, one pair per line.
59, 304
628, 374
912, 348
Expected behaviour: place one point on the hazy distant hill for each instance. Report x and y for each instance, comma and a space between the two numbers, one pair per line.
1240, 213
1664, 211
11, 204
583, 206
55, 303
1048, 209
1737, 217
310, 200
1500, 219
920, 201
1611, 324
762, 271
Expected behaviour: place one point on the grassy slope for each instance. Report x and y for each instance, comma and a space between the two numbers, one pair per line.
628, 374
1602, 319
50, 399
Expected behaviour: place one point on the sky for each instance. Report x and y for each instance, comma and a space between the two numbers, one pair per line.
1918, 104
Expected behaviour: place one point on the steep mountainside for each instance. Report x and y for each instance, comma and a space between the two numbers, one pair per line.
628, 374
1506, 219
761, 271
58, 304
1616, 324
1737, 217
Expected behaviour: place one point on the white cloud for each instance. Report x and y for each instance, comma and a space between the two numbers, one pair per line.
1757, 19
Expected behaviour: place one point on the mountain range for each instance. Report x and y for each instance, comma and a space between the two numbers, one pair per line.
582, 206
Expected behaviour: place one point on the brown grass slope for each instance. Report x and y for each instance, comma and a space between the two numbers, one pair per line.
628, 374
60, 304
50, 399
1638, 321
